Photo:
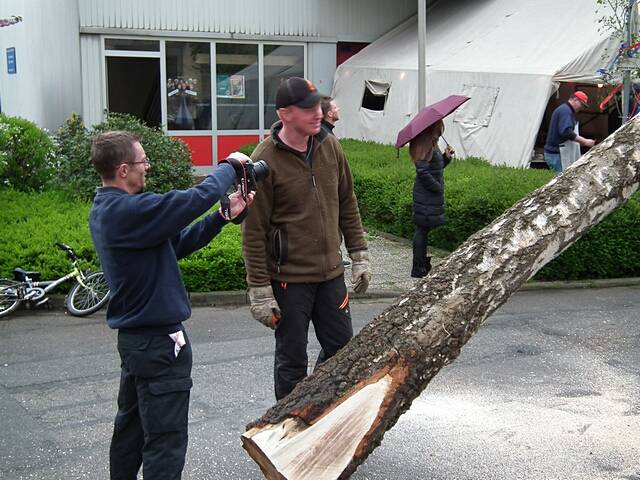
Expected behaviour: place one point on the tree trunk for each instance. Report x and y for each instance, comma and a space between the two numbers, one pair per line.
336, 417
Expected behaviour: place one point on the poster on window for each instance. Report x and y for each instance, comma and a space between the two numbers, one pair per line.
230, 86
182, 86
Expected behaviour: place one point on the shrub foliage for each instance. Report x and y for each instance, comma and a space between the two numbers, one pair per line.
26, 154
170, 158
35, 221
476, 193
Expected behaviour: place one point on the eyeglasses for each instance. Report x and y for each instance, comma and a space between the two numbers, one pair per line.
146, 161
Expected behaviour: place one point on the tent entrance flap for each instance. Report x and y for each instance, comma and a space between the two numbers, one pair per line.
479, 110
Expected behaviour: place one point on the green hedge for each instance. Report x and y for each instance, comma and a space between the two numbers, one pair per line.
26, 155
475, 194
33, 222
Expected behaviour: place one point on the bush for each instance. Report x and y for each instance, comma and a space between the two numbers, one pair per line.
26, 154
218, 266
170, 158
476, 193
76, 175
611, 249
33, 222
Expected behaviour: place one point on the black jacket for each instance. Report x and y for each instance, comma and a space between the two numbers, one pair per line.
428, 191
328, 127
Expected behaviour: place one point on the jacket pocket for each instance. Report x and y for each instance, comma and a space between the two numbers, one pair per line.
280, 245
132, 341
167, 405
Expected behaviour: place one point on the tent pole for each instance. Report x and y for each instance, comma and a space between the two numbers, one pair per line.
626, 74
422, 60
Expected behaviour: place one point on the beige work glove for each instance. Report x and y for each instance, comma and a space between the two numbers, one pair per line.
264, 307
360, 271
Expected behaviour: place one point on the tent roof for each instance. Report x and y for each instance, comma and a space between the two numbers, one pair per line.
524, 36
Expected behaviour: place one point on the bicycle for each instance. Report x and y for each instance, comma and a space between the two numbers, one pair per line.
88, 294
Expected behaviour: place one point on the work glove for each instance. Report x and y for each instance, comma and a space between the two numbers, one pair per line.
360, 271
264, 307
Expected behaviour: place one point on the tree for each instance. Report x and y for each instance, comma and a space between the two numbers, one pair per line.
337, 416
619, 23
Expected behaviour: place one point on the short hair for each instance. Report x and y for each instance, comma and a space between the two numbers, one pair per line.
325, 104
111, 149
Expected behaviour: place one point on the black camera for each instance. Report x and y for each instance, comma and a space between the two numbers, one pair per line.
247, 178
256, 172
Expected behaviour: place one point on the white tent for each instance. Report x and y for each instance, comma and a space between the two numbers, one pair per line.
507, 55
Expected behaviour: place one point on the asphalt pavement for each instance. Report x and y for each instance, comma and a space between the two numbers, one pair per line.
549, 388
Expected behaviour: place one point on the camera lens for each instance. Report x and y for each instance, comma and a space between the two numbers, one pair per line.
260, 170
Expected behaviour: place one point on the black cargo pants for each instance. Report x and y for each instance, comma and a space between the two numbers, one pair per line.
326, 304
153, 407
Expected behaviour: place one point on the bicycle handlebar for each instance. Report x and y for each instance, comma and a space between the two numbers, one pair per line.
62, 246
70, 253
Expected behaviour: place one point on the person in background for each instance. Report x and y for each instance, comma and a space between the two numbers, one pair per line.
292, 235
428, 192
562, 147
330, 114
139, 238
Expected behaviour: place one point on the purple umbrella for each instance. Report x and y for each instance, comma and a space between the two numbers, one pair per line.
428, 116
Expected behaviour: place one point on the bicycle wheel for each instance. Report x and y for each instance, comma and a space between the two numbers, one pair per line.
9, 298
83, 300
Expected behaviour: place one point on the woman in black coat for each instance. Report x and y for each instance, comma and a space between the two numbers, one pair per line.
428, 192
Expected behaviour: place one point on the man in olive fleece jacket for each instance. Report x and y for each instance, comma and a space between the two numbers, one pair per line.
293, 233
139, 238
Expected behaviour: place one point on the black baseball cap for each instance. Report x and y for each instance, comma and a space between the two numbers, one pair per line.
297, 91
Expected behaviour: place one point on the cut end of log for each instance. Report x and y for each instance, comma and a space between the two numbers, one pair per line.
268, 469
292, 450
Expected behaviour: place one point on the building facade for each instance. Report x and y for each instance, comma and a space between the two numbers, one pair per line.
205, 71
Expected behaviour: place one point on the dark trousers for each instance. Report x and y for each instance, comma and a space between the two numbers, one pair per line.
153, 406
326, 304
419, 266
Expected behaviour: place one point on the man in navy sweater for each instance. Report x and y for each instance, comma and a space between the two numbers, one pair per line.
139, 238
563, 140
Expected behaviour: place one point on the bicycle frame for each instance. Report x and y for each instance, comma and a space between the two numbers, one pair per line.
48, 285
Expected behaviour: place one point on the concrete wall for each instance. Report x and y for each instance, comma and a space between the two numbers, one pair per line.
47, 85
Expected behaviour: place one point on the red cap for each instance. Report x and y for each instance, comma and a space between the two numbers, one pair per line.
580, 95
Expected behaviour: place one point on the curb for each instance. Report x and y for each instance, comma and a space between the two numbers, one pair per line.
240, 297
601, 283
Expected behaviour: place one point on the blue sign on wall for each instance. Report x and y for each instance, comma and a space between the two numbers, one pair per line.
11, 60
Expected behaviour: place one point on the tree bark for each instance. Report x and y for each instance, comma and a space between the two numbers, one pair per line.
336, 417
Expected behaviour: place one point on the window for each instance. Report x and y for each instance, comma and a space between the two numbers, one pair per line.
375, 95
132, 45
188, 86
237, 86
280, 63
